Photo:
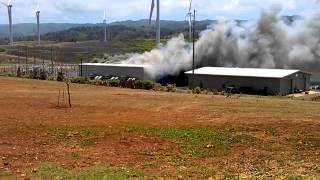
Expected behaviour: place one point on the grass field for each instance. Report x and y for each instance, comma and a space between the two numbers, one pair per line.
71, 52
133, 134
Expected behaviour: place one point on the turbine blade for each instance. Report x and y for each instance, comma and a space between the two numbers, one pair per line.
151, 11
38, 6
190, 6
104, 15
9, 2
3, 3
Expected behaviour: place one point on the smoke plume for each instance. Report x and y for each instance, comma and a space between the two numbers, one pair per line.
268, 42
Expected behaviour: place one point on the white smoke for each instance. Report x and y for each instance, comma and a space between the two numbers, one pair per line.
268, 42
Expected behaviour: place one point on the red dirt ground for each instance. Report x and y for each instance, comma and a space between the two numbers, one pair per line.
29, 112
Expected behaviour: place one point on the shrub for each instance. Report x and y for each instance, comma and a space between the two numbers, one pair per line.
50, 78
315, 98
60, 77
163, 88
215, 92
34, 75
196, 90
127, 83
157, 87
144, 84
19, 73
171, 88
2, 50
114, 83
80, 80
43, 75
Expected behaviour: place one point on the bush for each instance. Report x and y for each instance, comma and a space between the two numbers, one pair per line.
315, 98
215, 92
19, 73
171, 88
80, 80
144, 84
2, 50
114, 83
60, 77
50, 78
43, 75
127, 83
196, 90
157, 87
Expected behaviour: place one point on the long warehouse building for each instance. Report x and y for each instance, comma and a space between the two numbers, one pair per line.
117, 70
250, 80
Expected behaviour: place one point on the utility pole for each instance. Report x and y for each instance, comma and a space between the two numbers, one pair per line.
51, 60
27, 60
193, 42
19, 53
34, 55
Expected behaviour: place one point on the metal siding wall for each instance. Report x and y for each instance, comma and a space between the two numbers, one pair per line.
216, 82
137, 72
298, 82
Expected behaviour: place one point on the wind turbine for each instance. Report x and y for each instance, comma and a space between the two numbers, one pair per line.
105, 26
158, 44
9, 6
38, 23
189, 16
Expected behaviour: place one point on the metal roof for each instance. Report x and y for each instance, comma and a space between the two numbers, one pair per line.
244, 72
115, 65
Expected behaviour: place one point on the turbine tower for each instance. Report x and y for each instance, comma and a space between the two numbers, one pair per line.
38, 23
158, 44
9, 6
189, 16
105, 26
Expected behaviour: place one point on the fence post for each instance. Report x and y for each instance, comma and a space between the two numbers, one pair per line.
81, 67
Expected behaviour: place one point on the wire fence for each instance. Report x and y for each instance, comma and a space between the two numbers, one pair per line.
68, 70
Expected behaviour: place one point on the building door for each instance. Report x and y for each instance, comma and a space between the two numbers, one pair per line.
291, 86
305, 84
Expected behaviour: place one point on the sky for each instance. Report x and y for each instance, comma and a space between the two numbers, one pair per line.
91, 11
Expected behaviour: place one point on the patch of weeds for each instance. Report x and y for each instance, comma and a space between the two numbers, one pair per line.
6, 175
271, 147
104, 172
243, 129
76, 155
167, 152
143, 152
230, 175
83, 136
196, 141
88, 142
314, 142
166, 175
177, 161
317, 169
293, 177
199, 141
244, 139
303, 141
52, 171
152, 164
270, 131
204, 172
